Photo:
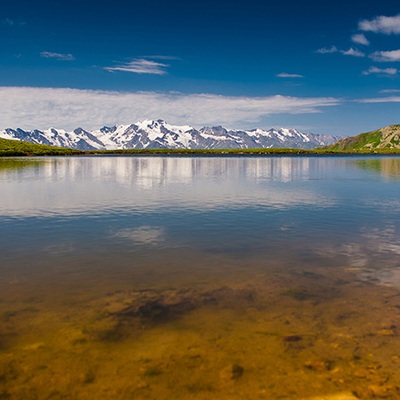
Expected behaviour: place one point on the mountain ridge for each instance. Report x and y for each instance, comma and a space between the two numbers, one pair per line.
158, 134
386, 138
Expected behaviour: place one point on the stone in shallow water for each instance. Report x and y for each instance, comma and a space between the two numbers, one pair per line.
231, 373
319, 365
335, 396
380, 390
386, 332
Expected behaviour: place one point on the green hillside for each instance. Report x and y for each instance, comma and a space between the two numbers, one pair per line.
386, 139
18, 148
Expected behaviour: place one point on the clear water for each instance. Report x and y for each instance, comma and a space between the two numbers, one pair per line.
200, 278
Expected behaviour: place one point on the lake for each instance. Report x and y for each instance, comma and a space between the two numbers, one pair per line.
249, 277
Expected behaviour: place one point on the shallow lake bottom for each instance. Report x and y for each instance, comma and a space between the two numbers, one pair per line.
254, 329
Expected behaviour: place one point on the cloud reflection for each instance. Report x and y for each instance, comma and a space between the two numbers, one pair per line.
99, 185
372, 256
145, 235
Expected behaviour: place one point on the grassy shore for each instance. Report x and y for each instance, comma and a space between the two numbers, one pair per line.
254, 151
12, 148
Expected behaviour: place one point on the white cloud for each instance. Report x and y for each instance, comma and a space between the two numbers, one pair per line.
141, 66
360, 38
325, 50
381, 71
391, 99
390, 91
57, 56
30, 107
286, 75
386, 56
381, 24
353, 52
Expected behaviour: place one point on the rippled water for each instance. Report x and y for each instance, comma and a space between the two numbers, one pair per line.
200, 278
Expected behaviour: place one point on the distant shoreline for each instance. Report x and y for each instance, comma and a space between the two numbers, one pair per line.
195, 153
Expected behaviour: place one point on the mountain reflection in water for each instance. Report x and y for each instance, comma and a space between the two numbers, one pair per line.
387, 167
100, 184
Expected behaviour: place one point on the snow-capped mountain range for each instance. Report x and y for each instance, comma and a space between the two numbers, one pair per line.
152, 134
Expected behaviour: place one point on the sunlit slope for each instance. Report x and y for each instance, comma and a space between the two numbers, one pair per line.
19, 148
387, 138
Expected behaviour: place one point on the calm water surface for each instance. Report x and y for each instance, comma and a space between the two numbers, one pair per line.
200, 278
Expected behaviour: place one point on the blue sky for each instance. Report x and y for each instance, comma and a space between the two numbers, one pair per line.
326, 68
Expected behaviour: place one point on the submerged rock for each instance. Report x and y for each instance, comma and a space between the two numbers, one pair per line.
335, 396
380, 391
152, 306
292, 338
231, 373
387, 332
319, 365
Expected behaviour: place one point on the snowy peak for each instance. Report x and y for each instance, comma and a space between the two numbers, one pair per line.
159, 134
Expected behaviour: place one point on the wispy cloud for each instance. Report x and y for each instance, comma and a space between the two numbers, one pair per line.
29, 107
8, 21
327, 50
57, 56
380, 71
161, 57
286, 75
381, 24
353, 52
11, 22
360, 38
391, 99
390, 91
386, 56
334, 49
141, 66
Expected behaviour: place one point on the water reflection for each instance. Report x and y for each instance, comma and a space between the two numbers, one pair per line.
145, 235
68, 186
18, 163
387, 167
148, 172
